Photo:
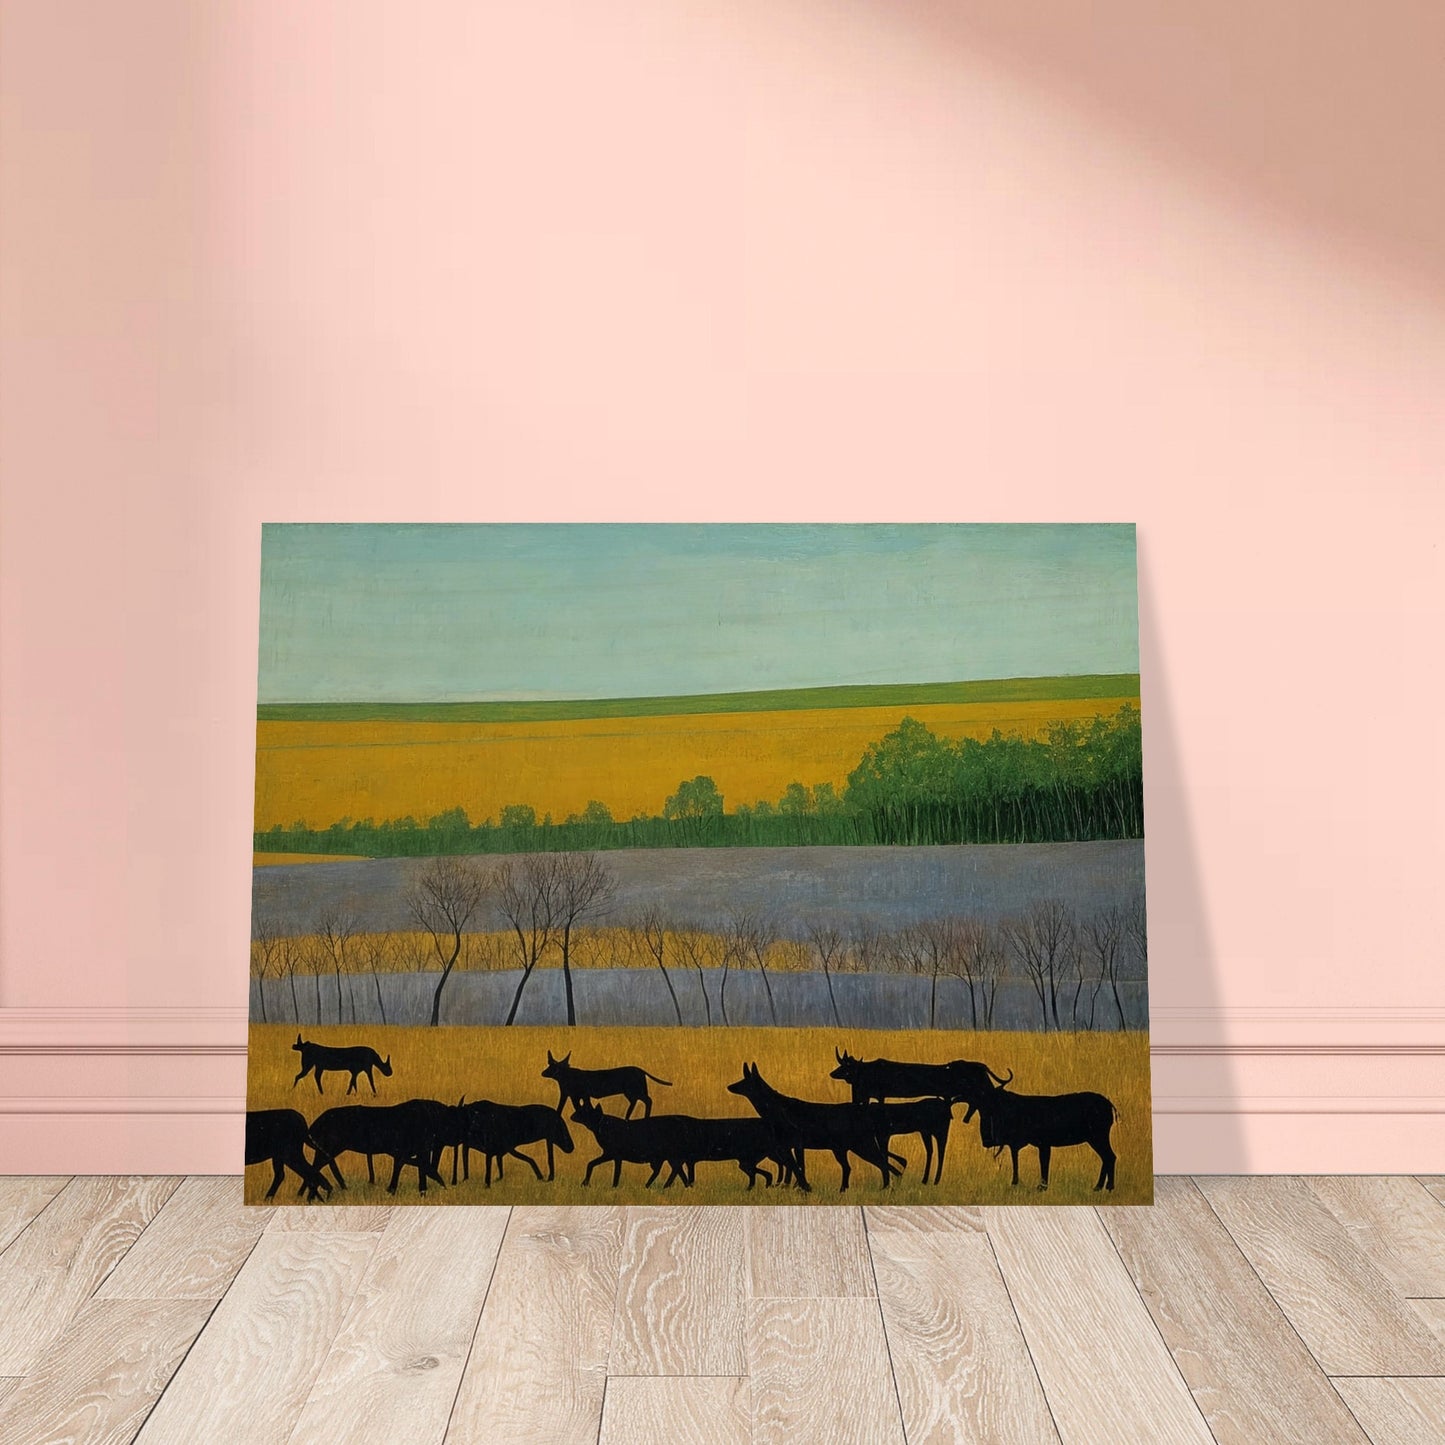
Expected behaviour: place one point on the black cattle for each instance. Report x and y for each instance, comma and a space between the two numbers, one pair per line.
412, 1135
585, 1086
355, 1059
930, 1119
628, 1141
801, 1124
880, 1079
278, 1137
1048, 1122
496, 1130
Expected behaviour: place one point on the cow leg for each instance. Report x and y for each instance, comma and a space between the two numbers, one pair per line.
617, 1171
647, 1106
352, 1089
526, 1159
280, 1169
1106, 1166
551, 1162
370, 1172
371, 1081
1014, 1150
319, 1089
841, 1155
927, 1155
1044, 1152
299, 1077
631, 1105
396, 1166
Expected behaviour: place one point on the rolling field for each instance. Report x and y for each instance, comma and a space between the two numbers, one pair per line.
323, 769
505, 1065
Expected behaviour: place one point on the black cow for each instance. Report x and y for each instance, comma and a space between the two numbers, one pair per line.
412, 1134
496, 1130
801, 1124
882, 1079
278, 1137
930, 1119
1048, 1122
355, 1059
585, 1086
629, 1141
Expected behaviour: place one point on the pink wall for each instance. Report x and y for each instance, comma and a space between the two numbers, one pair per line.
789, 260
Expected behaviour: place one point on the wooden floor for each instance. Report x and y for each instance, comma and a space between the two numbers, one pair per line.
1239, 1310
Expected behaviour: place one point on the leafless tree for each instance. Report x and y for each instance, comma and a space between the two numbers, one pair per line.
751, 936
926, 948
867, 947
527, 898
378, 952
334, 932
827, 943
1106, 935
695, 945
976, 956
653, 929
1040, 940
585, 889
446, 896
265, 956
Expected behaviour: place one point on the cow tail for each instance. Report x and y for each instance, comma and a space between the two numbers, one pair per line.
666, 1083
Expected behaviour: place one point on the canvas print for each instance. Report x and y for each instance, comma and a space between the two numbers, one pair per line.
716, 864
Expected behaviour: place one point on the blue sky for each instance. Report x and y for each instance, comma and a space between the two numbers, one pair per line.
397, 613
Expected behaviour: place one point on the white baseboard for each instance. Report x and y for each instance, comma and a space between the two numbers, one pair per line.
1246, 1090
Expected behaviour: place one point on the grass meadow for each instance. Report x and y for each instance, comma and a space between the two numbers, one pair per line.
323, 769
505, 1064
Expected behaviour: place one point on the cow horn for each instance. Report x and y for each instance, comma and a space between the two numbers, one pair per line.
1001, 1082
836, 1054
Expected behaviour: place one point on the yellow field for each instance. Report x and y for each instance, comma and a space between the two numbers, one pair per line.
505, 1065
319, 772
276, 860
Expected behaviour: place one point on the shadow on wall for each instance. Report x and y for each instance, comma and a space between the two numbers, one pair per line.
1327, 114
1195, 1088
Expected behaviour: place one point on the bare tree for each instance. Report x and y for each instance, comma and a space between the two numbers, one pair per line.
751, 936
827, 942
289, 955
527, 898
867, 947
695, 945
653, 929
1041, 940
378, 952
265, 956
1106, 935
334, 933
925, 949
447, 894
990, 966
975, 956
585, 889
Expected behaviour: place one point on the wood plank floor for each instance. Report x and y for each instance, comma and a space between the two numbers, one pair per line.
1234, 1310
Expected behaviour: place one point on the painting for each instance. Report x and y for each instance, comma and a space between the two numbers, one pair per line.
716, 864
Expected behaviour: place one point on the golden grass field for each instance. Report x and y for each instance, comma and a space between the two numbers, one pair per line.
505, 1065
320, 772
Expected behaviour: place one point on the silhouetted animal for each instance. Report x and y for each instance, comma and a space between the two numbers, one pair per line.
584, 1086
802, 1125
355, 1060
745, 1142
412, 1134
497, 1130
277, 1137
628, 1141
930, 1119
1048, 1122
882, 1079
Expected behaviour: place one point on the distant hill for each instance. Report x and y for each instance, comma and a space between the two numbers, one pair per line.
1009, 689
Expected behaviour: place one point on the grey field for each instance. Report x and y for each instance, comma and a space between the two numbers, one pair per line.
704, 886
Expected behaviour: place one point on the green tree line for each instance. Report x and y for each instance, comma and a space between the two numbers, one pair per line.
1082, 781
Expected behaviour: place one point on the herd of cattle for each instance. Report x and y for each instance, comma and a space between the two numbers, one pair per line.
890, 1099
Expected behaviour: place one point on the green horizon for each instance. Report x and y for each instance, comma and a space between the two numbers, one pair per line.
1059, 688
